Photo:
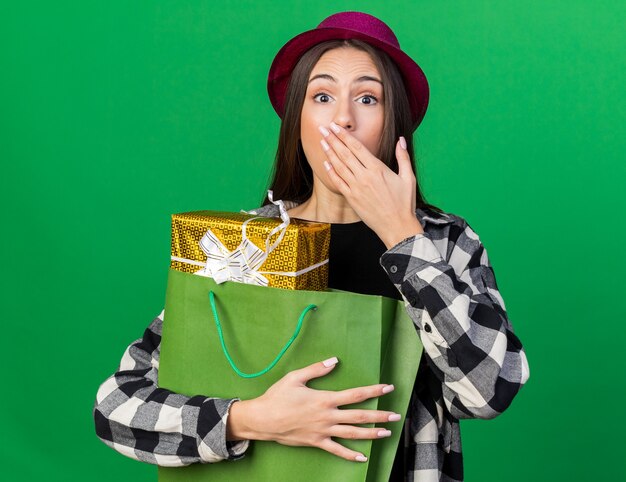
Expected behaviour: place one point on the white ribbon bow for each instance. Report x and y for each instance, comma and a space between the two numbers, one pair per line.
242, 264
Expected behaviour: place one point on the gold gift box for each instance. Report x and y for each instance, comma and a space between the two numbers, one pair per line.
304, 245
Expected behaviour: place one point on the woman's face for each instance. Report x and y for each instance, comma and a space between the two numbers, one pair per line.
344, 87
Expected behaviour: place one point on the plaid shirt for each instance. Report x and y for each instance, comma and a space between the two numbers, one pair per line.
473, 364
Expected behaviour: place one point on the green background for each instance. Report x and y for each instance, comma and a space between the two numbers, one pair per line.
113, 115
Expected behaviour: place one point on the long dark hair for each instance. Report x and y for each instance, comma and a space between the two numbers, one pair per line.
292, 177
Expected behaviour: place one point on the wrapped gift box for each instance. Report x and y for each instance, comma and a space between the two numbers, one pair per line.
229, 246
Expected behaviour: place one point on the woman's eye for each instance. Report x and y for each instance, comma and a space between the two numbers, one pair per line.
365, 100
369, 100
324, 98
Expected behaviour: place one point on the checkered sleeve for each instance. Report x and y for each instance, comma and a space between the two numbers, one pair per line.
461, 319
136, 417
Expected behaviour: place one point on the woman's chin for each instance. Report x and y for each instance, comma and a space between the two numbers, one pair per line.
328, 184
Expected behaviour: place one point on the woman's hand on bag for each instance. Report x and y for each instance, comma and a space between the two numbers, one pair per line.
291, 413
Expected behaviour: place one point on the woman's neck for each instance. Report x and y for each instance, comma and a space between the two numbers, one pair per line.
325, 206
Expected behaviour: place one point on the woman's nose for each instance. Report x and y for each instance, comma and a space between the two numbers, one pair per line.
343, 115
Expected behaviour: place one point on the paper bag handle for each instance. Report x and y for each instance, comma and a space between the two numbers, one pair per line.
278, 357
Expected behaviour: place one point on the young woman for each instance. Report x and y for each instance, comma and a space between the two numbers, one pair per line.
349, 100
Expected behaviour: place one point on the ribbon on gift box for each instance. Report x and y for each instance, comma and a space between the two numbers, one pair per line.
243, 263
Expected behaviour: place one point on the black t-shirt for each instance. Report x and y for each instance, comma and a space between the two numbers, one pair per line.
355, 251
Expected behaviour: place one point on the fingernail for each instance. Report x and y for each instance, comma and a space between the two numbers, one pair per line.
327, 165
324, 131
325, 145
395, 417
384, 433
335, 127
388, 388
330, 362
403, 142
361, 458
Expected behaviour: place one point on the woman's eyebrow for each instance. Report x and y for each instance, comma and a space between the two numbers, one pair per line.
363, 78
